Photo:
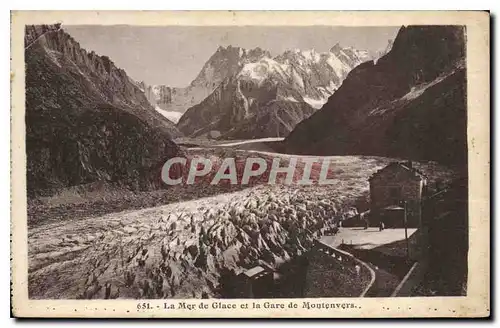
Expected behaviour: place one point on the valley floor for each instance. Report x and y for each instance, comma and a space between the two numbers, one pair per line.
178, 249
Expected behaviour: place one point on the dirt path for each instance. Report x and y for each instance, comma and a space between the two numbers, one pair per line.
367, 240
385, 282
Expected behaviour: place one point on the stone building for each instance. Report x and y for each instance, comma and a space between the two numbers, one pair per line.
256, 282
393, 186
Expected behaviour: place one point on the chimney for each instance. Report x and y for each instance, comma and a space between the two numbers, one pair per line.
410, 164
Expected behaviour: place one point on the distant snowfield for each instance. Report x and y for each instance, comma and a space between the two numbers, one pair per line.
338, 158
271, 139
172, 116
335, 158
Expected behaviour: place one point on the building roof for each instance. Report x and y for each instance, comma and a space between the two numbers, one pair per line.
254, 271
404, 166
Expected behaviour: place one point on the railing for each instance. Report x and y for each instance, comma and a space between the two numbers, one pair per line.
347, 258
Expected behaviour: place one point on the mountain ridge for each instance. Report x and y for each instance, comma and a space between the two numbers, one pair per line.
413, 95
224, 62
86, 120
301, 80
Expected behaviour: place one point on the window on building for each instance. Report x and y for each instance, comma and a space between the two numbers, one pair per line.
395, 194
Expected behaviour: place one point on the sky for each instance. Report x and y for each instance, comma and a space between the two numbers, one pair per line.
174, 55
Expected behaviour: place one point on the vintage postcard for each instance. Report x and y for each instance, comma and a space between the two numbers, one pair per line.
250, 164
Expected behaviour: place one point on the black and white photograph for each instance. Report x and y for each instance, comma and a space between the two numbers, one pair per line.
220, 162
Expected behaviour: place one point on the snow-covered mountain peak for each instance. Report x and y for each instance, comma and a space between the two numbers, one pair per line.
268, 96
304, 75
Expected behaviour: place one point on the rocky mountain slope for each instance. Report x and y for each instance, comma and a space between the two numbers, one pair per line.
410, 103
86, 120
269, 96
387, 48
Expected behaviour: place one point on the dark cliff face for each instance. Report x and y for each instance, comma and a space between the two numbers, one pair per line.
276, 119
86, 120
411, 103
240, 109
